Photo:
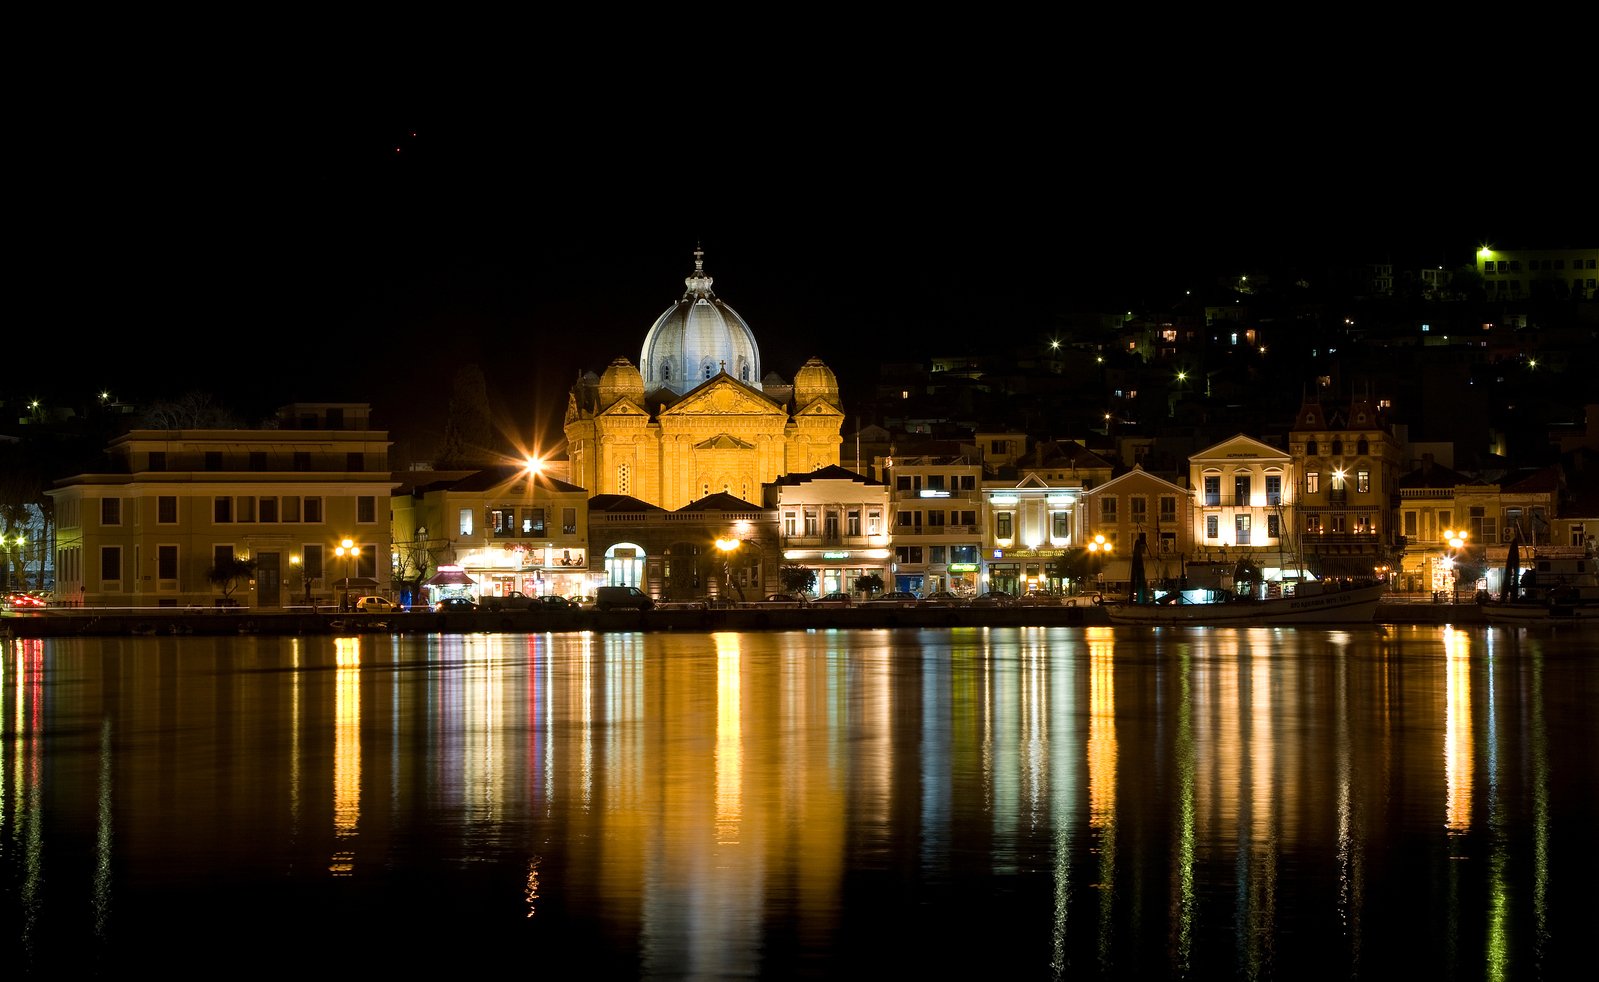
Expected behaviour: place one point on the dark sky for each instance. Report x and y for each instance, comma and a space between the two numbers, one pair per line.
363, 245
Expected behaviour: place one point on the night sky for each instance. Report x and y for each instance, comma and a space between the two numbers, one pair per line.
362, 246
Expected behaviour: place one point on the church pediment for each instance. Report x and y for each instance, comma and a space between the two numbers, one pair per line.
723, 441
723, 396
820, 407
622, 407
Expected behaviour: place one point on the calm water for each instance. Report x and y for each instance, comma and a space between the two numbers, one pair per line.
1020, 803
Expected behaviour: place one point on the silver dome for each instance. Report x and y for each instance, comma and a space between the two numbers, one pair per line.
698, 337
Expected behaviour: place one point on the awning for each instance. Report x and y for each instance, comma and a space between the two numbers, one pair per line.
448, 577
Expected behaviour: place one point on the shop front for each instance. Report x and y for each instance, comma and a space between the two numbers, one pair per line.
535, 571
837, 569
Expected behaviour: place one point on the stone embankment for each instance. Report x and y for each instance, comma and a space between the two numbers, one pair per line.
126, 622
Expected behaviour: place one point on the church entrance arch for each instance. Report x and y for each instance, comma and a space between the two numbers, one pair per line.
624, 565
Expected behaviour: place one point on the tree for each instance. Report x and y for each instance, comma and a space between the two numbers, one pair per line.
870, 583
797, 579
192, 411
1078, 565
229, 572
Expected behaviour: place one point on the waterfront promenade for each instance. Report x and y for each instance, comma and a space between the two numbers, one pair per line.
123, 621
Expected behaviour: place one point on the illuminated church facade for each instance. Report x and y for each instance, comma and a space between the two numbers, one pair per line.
695, 417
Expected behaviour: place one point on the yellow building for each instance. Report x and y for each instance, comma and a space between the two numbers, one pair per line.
695, 417
1519, 274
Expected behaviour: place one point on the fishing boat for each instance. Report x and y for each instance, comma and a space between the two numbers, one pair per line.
1315, 602
1557, 588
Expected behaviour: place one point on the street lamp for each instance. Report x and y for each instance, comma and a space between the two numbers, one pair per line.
346, 550
1099, 549
1457, 541
294, 564
727, 547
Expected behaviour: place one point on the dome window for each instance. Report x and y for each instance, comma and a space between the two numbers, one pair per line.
666, 371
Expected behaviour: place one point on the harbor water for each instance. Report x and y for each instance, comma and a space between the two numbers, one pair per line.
1385, 802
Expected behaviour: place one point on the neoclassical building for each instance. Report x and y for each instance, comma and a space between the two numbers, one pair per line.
695, 417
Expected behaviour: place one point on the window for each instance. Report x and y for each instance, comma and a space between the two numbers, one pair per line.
268, 508
1338, 524
1273, 527
852, 522
810, 521
935, 519
830, 525
1274, 489
1002, 525
366, 509
1362, 448
1312, 483
963, 554
1168, 509
222, 510
1212, 489
935, 554
1241, 529
313, 509
1363, 481
1338, 448
1241, 489
1310, 448
908, 554
110, 511
967, 518
1410, 525
790, 523
533, 521
313, 561
1059, 525
1312, 522
166, 562
1579, 534
1168, 542
166, 509
245, 505
1107, 508
110, 564
501, 521
1138, 509
221, 555
1212, 526
874, 521
568, 521
622, 475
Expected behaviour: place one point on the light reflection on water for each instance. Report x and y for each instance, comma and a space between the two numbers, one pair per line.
1026, 803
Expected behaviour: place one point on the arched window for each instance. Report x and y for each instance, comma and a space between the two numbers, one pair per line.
705, 490
707, 369
744, 373
1310, 448
1338, 448
1362, 448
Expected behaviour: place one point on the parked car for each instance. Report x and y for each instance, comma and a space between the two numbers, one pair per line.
1041, 598
579, 600
24, 601
512, 600
786, 599
552, 602
895, 598
943, 598
622, 598
377, 604
994, 600
835, 599
454, 605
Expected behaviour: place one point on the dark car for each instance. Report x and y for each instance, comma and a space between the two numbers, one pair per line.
786, 599
454, 605
835, 599
896, 598
553, 602
994, 600
513, 600
943, 598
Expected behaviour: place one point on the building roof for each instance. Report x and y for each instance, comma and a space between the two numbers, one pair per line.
721, 501
620, 503
509, 477
832, 472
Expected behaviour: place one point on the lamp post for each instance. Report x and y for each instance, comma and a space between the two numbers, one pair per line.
1457, 542
1099, 549
346, 550
294, 564
727, 547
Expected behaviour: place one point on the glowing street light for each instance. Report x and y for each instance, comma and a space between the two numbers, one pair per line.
347, 550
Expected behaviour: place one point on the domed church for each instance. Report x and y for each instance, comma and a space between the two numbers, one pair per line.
695, 417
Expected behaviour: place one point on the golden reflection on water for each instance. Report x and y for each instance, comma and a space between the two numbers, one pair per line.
729, 749
346, 754
1102, 775
1458, 758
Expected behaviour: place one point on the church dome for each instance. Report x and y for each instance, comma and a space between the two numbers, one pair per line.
815, 381
696, 338
621, 380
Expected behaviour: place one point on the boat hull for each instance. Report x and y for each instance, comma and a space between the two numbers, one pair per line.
1500, 612
1357, 606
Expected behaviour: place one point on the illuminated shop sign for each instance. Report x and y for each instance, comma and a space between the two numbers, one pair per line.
962, 567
